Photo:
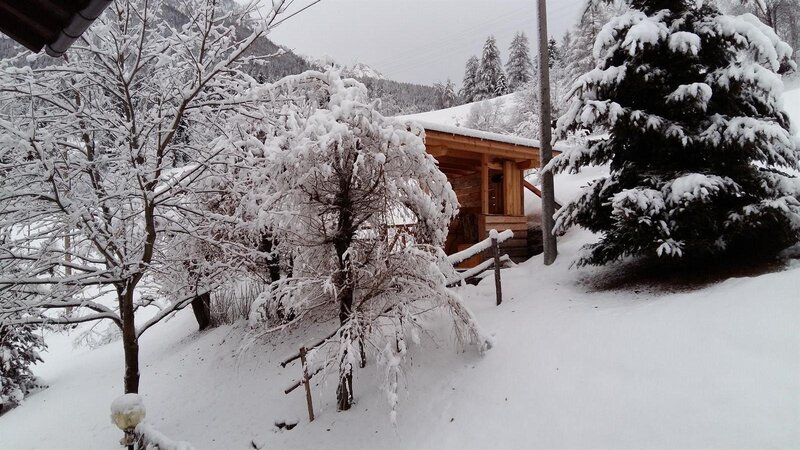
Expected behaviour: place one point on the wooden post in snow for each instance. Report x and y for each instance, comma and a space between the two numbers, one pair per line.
545, 148
306, 384
496, 253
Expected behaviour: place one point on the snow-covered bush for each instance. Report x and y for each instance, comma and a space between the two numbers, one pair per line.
363, 209
697, 143
19, 350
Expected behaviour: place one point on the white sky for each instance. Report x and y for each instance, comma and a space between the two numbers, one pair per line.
421, 41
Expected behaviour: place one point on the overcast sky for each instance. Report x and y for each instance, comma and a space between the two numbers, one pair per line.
419, 41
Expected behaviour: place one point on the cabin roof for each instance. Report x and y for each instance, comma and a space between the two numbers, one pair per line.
50, 24
463, 150
478, 134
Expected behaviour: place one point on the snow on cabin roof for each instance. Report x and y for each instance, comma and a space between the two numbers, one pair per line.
478, 134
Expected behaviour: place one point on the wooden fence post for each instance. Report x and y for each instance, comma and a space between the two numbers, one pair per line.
307, 384
496, 253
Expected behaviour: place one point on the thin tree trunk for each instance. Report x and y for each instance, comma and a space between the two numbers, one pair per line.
201, 305
273, 261
130, 342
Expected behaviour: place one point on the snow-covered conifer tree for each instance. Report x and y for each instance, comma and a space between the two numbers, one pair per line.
470, 83
364, 210
491, 78
519, 67
19, 349
697, 144
578, 54
446, 94
554, 51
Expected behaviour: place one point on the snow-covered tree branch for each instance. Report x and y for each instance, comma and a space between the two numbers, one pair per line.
105, 157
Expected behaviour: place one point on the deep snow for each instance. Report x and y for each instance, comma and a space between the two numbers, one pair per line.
572, 367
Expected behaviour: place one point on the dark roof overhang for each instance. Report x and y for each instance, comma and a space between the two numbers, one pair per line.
50, 24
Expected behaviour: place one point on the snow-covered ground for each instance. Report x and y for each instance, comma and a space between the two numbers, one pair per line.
572, 367
791, 103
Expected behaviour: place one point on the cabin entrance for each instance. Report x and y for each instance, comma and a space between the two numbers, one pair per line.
487, 177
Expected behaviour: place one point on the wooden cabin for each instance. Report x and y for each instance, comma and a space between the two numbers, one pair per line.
486, 171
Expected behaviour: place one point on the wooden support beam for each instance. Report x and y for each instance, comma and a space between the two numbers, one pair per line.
485, 184
512, 187
536, 191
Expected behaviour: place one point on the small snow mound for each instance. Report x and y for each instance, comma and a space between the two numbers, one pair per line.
127, 411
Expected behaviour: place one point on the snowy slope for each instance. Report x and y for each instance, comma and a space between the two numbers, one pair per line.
457, 115
791, 103
573, 367
361, 70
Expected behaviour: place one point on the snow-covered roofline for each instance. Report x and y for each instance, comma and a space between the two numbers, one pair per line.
478, 134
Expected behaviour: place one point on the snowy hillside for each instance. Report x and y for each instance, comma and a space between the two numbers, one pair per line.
791, 103
355, 70
361, 70
572, 368
457, 115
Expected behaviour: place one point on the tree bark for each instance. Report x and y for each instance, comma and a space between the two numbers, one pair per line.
546, 150
344, 393
130, 342
344, 283
273, 261
201, 305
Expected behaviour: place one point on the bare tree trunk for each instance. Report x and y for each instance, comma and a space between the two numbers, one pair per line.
201, 305
546, 150
130, 342
273, 261
344, 393
344, 282
68, 261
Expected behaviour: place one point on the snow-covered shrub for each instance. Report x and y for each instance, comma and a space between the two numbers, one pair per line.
697, 143
19, 350
363, 210
234, 301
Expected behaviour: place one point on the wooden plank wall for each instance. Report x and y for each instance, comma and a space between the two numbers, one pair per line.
468, 190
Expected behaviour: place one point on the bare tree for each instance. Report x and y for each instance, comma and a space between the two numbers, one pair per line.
88, 151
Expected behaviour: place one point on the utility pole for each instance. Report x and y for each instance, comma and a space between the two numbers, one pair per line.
545, 147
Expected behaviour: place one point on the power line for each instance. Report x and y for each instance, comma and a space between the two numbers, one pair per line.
472, 36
